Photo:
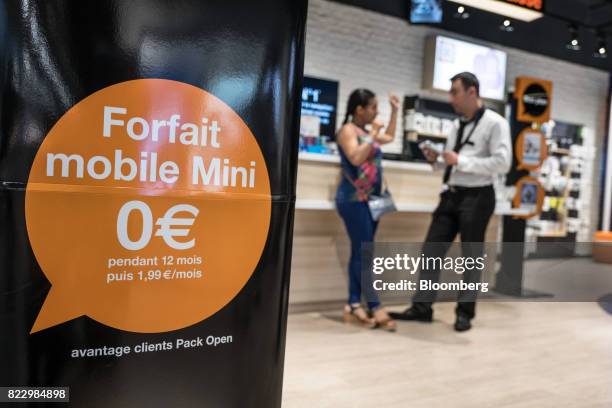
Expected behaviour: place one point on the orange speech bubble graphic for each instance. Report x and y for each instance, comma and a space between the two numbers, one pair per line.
147, 207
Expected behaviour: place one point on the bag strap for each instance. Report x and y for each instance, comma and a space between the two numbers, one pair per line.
350, 179
361, 194
385, 186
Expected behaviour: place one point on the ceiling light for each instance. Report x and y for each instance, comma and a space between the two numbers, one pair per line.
507, 26
502, 8
602, 47
574, 44
461, 13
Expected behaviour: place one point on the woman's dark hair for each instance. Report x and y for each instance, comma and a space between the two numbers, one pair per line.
359, 97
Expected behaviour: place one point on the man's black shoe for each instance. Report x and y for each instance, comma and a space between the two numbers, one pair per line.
412, 314
462, 323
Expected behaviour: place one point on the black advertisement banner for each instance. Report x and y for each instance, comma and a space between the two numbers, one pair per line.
148, 158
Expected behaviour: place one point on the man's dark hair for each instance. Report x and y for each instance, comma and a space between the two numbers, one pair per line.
468, 80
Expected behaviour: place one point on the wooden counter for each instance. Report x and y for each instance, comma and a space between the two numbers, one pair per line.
321, 245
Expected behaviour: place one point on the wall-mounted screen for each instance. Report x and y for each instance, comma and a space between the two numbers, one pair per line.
426, 12
319, 106
446, 57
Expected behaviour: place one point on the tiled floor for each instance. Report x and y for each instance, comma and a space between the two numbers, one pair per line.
517, 355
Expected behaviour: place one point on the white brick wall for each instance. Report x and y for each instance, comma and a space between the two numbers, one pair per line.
361, 48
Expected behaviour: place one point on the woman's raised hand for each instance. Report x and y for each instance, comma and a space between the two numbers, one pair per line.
395, 102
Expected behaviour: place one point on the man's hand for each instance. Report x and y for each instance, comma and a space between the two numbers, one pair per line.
451, 158
430, 154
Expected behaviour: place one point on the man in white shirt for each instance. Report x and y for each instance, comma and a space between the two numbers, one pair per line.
477, 150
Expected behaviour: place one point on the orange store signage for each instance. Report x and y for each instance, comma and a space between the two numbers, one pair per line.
137, 202
530, 4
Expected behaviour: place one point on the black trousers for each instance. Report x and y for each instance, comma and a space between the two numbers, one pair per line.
463, 211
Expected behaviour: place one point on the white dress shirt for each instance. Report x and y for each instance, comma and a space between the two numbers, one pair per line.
488, 154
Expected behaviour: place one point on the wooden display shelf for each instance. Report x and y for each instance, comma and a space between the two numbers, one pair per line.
564, 152
388, 164
412, 133
323, 205
553, 235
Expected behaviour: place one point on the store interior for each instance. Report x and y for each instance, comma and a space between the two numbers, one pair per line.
389, 55
555, 204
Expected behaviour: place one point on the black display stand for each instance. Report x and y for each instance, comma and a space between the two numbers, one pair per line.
509, 278
248, 58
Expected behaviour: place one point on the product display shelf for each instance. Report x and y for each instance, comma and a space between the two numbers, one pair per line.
424, 119
561, 209
565, 177
415, 136
560, 151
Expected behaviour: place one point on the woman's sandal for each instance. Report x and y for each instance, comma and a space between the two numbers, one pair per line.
357, 315
384, 322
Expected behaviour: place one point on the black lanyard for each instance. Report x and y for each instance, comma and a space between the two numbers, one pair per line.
459, 144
